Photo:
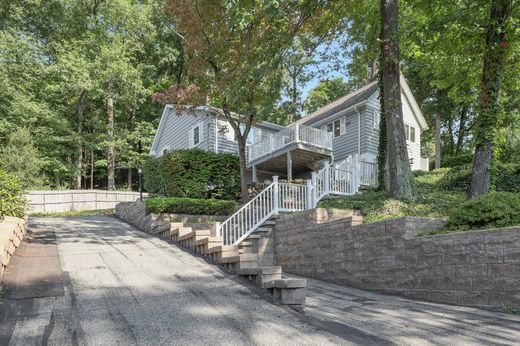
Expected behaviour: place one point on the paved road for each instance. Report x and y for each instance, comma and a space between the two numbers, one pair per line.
98, 281
121, 286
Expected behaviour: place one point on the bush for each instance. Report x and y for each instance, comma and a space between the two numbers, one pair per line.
496, 209
190, 206
457, 178
194, 174
12, 202
452, 161
508, 178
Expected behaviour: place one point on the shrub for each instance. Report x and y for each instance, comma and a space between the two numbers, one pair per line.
194, 174
190, 206
12, 202
452, 161
457, 178
508, 178
496, 209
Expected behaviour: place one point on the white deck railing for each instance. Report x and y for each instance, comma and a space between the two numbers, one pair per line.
295, 133
277, 197
341, 179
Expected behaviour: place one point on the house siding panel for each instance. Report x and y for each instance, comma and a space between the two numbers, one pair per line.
176, 132
347, 143
414, 148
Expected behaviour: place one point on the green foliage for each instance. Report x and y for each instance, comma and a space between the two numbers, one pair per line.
325, 92
195, 206
21, 158
12, 202
496, 209
508, 178
457, 178
454, 160
431, 200
193, 173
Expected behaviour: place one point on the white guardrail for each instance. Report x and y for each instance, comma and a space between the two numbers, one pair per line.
295, 133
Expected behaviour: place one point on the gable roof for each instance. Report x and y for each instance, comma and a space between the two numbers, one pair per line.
340, 104
360, 96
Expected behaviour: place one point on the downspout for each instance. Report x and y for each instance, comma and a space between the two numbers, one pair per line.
216, 134
358, 131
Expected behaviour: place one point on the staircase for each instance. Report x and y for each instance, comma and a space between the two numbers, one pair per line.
284, 197
252, 258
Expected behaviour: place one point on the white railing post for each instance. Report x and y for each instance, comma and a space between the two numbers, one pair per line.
310, 205
218, 231
297, 133
275, 195
326, 183
314, 193
356, 173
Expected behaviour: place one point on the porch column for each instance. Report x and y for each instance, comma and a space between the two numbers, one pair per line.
289, 166
254, 174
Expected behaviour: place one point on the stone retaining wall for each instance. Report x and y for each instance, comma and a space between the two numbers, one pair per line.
480, 268
135, 214
12, 230
77, 200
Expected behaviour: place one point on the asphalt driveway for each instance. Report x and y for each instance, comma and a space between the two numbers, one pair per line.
99, 281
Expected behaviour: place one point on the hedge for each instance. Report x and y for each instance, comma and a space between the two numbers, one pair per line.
496, 209
194, 174
12, 202
178, 205
506, 178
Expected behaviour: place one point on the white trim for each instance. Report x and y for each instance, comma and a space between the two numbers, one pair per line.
413, 103
200, 127
160, 129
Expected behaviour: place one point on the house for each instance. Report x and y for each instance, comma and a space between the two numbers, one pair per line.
344, 132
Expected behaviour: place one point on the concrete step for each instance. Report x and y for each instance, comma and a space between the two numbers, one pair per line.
288, 291
357, 220
178, 232
203, 245
261, 275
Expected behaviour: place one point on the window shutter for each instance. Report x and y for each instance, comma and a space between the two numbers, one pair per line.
343, 125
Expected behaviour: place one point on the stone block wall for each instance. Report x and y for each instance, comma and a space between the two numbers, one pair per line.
77, 200
480, 268
12, 231
135, 214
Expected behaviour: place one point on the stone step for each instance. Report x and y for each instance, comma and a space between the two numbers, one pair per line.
357, 220
178, 232
223, 248
288, 291
198, 234
260, 270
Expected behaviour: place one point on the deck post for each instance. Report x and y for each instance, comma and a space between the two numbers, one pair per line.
297, 133
276, 197
289, 166
254, 174
314, 193
326, 182
310, 193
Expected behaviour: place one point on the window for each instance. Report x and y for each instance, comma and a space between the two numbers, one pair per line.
196, 135
410, 133
337, 128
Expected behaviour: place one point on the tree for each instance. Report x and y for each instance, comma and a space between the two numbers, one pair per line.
399, 171
497, 48
325, 92
234, 58
22, 159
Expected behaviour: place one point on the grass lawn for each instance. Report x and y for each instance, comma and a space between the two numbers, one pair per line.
77, 213
434, 192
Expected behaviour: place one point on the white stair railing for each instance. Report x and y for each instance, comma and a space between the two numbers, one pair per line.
284, 197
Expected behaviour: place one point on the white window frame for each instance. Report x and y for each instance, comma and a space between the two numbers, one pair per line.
331, 127
408, 133
200, 127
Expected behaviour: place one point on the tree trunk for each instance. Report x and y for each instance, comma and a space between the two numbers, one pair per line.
79, 162
92, 169
400, 173
462, 129
111, 150
129, 178
244, 193
495, 55
451, 148
437, 140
